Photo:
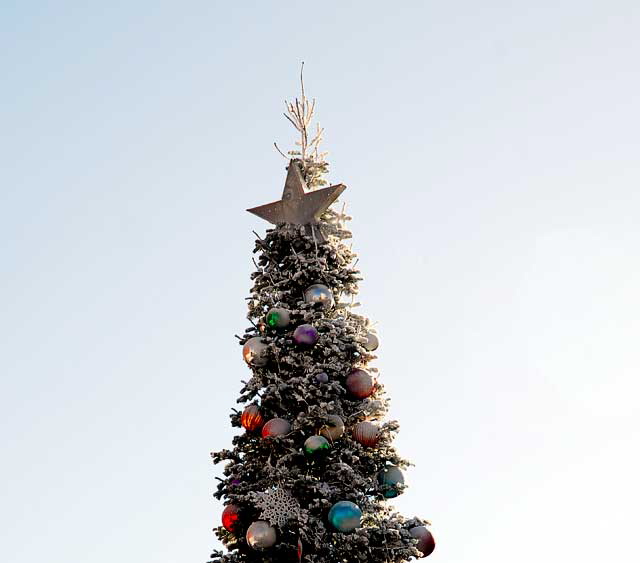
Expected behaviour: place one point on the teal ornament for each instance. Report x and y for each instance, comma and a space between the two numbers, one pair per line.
315, 445
389, 478
278, 317
345, 516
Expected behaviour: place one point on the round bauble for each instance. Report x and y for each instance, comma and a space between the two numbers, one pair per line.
365, 433
360, 384
261, 535
321, 294
305, 335
316, 445
333, 428
276, 427
345, 516
389, 478
278, 317
372, 342
322, 377
256, 352
251, 419
231, 517
426, 543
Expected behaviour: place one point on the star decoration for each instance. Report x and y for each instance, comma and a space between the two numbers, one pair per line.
298, 205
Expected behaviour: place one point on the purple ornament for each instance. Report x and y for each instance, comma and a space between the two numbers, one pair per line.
322, 377
235, 482
305, 335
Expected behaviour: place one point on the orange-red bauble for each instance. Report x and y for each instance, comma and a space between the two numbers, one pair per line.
231, 518
360, 384
276, 427
366, 433
251, 419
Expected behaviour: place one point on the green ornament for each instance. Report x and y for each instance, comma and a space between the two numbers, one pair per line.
278, 317
315, 445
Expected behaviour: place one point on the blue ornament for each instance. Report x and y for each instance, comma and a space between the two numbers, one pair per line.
389, 478
322, 377
345, 516
321, 294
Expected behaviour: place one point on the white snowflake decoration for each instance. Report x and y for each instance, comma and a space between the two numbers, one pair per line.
277, 506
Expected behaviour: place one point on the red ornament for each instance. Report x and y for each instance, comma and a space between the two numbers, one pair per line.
299, 551
231, 517
360, 384
276, 427
426, 543
365, 433
251, 419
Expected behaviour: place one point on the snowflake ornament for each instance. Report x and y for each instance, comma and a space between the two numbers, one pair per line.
277, 506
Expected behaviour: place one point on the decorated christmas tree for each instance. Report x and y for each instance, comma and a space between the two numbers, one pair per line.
312, 471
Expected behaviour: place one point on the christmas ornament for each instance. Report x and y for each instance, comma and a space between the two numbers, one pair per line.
345, 516
360, 384
372, 342
251, 419
322, 377
319, 293
255, 352
235, 482
388, 478
299, 550
365, 433
260, 535
298, 206
276, 427
278, 317
333, 428
315, 445
277, 506
305, 335
426, 543
231, 517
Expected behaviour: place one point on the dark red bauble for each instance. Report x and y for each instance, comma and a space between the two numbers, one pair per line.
426, 543
231, 517
366, 433
251, 419
276, 427
360, 384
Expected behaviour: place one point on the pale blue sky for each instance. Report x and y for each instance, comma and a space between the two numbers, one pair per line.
491, 153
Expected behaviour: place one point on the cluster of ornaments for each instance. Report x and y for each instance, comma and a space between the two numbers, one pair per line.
344, 516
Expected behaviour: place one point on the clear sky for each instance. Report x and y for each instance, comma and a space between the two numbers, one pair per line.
491, 153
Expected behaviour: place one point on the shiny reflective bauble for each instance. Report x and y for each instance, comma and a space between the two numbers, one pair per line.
426, 543
372, 342
316, 445
276, 427
319, 293
345, 516
360, 384
365, 433
305, 335
322, 377
261, 535
256, 352
251, 419
389, 478
231, 517
334, 427
278, 317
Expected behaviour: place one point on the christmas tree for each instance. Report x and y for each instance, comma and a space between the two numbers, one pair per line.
310, 476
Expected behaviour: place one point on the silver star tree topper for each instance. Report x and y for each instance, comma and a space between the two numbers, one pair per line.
299, 205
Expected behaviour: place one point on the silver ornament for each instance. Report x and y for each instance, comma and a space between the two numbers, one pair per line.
372, 342
261, 535
334, 427
256, 352
319, 293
